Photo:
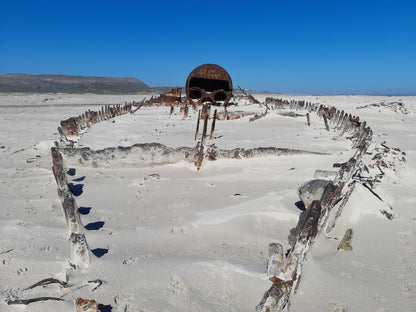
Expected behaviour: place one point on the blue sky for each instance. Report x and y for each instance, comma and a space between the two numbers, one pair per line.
298, 47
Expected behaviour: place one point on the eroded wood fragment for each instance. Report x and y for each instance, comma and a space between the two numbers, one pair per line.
275, 264
85, 305
345, 243
32, 300
80, 252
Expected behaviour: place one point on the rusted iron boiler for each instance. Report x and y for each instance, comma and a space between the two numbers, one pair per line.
209, 83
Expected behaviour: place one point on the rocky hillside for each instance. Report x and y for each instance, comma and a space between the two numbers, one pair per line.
70, 84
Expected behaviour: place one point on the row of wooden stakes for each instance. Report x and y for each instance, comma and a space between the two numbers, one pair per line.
322, 213
74, 126
80, 252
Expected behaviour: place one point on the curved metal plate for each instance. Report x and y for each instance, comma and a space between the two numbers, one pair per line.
209, 83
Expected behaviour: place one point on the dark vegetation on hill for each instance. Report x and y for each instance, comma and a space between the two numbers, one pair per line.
83, 84
70, 84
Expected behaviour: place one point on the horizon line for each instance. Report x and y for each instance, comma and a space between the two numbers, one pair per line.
249, 89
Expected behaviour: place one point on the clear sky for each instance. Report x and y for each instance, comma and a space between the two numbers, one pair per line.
298, 47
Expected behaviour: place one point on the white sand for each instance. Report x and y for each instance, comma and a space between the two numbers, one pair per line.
189, 240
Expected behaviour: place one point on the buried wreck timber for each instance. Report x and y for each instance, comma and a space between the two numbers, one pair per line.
321, 212
80, 253
148, 154
324, 201
209, 85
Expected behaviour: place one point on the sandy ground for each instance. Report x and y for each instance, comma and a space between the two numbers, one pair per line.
171, 238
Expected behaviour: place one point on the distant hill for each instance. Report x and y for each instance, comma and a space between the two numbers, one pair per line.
70, 84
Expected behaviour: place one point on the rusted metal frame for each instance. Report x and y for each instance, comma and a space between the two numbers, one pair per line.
171, 97
252, 99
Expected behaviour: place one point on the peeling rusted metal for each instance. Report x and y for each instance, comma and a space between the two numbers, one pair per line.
209, 83
174, 96
69, 126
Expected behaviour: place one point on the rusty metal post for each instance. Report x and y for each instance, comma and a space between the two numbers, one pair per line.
204, 111
204, 132
250, 97
213, 124
197, 124
308, 118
